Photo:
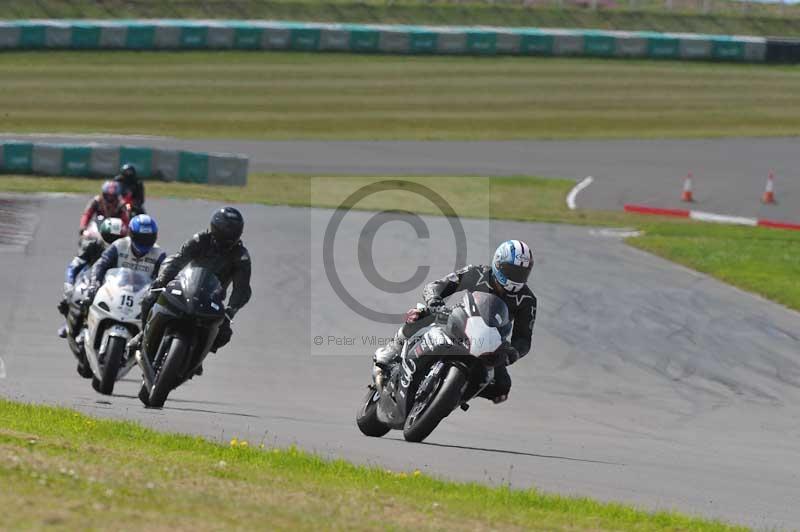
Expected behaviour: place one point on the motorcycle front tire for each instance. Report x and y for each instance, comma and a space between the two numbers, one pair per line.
446, 398
367, 417
167, 374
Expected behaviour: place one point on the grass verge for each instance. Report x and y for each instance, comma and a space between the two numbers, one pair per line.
61, 468
764, 261
728, 17
345, 96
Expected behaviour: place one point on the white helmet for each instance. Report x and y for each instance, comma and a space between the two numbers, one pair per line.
512, 264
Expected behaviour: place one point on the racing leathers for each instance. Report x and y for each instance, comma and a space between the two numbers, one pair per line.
97, 205
521, 309
230, 265
90, 250
120, 255
132, 192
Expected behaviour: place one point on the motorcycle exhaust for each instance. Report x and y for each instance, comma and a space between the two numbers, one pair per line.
147, 369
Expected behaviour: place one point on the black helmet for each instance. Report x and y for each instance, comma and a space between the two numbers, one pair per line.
127, 171
226, 228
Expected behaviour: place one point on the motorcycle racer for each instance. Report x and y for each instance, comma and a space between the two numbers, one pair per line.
90, 250
107, 204
219, 249
507, 278
132, 189
138, 251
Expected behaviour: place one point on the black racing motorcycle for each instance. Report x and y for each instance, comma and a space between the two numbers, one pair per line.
179, 333
441, 367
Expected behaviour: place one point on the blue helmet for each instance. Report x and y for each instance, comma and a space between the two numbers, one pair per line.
512, 264
143, 232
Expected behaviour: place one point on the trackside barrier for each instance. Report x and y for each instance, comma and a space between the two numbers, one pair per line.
104, 160
174, 34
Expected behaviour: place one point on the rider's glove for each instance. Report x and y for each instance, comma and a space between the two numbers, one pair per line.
435, 304
509, 352
91, 291
414, 314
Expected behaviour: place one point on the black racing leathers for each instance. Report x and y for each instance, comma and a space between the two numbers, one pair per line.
521, 305
90, 250
229, 265
133, 191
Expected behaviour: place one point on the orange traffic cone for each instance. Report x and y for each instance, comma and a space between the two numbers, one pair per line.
769, 191
686, 195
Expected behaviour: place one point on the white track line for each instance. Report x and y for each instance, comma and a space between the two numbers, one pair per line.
721, 218
575, 190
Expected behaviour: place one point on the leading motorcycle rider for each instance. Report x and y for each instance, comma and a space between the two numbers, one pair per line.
507, 278
219, 249
107, 204
132, 189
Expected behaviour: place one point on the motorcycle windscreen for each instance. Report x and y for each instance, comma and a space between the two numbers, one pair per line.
480, 337
127, 279
491, 308
201, 290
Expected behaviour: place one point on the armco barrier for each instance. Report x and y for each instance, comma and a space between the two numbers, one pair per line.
172, 34
104, 160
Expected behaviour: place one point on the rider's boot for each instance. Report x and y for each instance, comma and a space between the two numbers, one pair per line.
385, 356
134, 344
62, 331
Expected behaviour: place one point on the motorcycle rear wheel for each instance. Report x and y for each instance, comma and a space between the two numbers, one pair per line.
446, 397
367, 417
167, 374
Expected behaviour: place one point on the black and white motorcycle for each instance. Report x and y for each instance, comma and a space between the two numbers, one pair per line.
441, 367
112, 320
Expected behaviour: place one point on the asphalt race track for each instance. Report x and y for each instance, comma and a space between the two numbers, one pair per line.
649, 384
730, 174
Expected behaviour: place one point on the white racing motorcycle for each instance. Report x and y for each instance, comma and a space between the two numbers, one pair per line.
114, 318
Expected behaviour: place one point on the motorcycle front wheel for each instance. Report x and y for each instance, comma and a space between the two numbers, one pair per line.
114, 352
167, 372
428, 411
367, 417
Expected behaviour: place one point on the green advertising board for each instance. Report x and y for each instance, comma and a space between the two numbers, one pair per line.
482, 42
76, 160
85, 36
193, 167
18, 157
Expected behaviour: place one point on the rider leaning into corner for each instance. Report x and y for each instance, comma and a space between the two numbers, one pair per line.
138, 251
507, 278
219, 249
107, 204
132, 189
90, 250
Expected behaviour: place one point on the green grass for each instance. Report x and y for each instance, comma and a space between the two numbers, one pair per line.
764, 261
341, 96
646, 15
65, 470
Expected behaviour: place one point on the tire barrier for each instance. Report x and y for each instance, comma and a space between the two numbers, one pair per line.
104, 160
170, 34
